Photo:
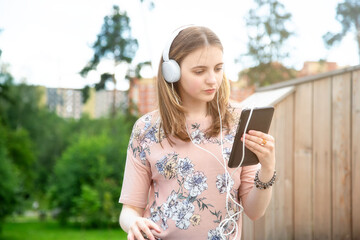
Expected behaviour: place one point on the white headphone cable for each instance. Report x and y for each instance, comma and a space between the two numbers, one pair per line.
231, 217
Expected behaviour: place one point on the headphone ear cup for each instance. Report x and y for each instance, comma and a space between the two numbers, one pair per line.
171, 71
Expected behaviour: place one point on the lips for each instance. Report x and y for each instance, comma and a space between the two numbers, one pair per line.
212, 90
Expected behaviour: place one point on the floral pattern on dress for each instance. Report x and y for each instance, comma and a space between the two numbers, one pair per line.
144, 137
183, 212
228, 228
168, 166
198, 136
214, 234
179, 206
222, 182
226, 153
175, 208
196, 184
185, 167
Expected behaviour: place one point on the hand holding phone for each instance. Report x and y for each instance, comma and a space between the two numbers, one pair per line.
259, 121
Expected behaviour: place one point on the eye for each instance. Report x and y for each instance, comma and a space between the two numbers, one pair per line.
198, 72
218, 69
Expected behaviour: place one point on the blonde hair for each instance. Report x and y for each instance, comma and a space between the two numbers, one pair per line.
171, 112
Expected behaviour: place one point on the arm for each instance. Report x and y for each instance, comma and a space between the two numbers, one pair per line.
257, 200
132, 221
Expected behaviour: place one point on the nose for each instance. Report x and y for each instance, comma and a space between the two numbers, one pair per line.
211, 78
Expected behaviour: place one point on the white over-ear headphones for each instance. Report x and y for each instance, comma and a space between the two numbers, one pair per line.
170, 68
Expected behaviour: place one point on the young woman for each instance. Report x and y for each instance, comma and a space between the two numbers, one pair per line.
175, 184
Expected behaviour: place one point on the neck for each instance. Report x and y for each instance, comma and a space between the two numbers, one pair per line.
196, 111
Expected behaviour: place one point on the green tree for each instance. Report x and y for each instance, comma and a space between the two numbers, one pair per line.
267, 25
17, 146
35, 137
88, 176
348, 14
8, 183
113, 42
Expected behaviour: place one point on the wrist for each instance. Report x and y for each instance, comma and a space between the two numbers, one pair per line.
265, 174
267, 169
263, 180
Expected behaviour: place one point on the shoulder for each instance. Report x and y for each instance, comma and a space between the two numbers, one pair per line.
147, 126
147, 120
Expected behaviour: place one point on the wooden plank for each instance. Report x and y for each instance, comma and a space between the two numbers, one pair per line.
303, 162
356, 155
322, 159
260, 229
270, 213
341, 173
265, 228
247, 228
283, 189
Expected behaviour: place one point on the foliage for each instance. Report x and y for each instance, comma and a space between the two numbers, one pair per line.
86, 156
139, 67
267, 73
20, 150
348, 14
8, 183
36, 136
74, 165
268, 31
113, 42
88, 175
16, 153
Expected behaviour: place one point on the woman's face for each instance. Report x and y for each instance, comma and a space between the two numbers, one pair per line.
201, 75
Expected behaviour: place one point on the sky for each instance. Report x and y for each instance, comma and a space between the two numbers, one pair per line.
47, 42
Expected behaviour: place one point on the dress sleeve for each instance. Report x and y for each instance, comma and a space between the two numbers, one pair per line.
137, 175
247, 179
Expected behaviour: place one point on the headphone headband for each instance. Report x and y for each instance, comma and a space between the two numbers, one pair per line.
166, 51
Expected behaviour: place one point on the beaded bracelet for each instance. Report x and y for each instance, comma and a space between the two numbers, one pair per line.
261, 185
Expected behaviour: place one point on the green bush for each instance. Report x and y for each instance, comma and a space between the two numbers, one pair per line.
67, 165
8, 183
88, 175
87, 206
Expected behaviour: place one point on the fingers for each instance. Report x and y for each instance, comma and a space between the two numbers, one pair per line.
153, 225
140, 230
261, 135
259, 142
148, 224
260, 138
130, 236
263, 145
252, 145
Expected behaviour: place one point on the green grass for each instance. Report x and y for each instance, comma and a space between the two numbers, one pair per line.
36, 230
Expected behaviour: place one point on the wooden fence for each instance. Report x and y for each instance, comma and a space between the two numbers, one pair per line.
317, 132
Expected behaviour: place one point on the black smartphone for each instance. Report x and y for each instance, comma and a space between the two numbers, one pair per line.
259, 121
